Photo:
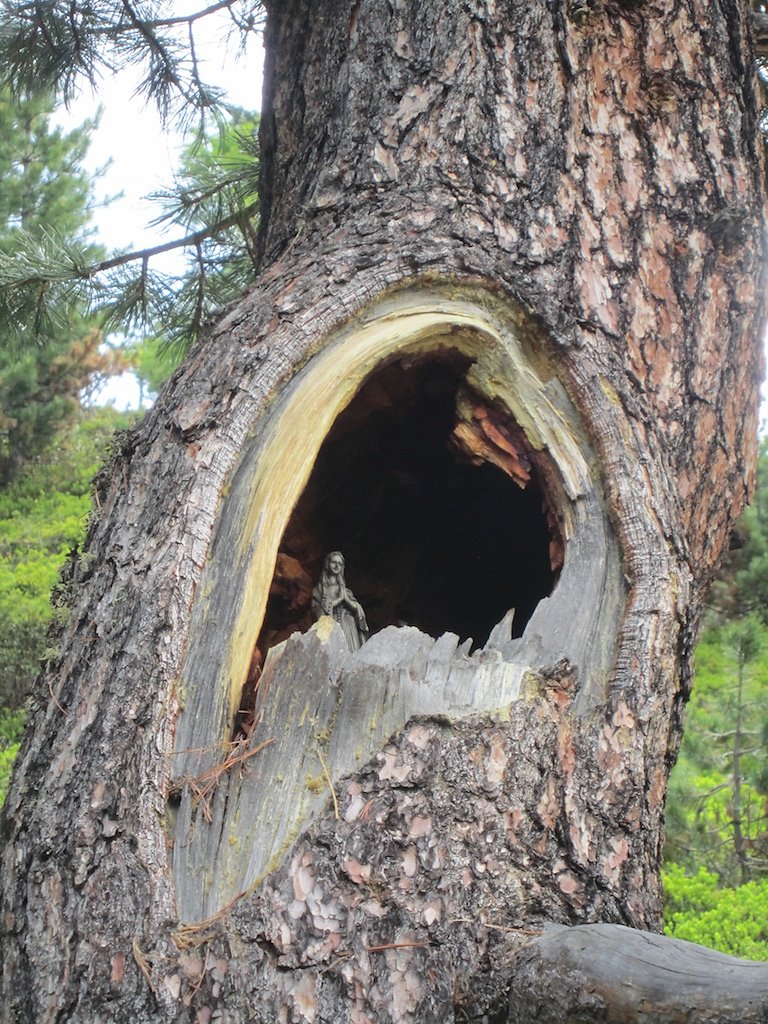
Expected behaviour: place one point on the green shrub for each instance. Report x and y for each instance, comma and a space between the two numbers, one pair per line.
733, 920
11, 726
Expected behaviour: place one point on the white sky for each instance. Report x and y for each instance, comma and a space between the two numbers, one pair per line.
140, 155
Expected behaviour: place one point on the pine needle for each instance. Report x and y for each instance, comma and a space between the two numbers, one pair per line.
143, 964
203, 786
328, 779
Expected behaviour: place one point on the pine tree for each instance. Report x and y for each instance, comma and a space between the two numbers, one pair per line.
46, 358
532, 230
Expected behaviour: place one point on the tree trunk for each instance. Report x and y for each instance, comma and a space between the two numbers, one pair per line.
530, 231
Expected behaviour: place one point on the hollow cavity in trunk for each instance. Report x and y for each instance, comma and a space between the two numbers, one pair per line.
434, 536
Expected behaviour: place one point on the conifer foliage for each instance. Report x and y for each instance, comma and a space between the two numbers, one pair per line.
50, 353
212, 203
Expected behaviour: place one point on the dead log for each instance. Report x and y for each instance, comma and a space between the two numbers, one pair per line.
621, 976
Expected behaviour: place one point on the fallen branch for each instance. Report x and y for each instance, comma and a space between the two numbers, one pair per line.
618, 975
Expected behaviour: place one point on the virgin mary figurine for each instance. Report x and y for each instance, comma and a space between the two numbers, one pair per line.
332, 597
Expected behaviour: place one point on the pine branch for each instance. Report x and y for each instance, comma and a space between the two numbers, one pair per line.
50, 46
48, 259
187, 242
730, 733
745, 750
46, 278
711, 792
187, 19
205, 197
252, 21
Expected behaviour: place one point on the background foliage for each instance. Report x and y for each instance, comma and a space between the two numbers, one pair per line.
42, 517
51, 361
716, 875
47, 358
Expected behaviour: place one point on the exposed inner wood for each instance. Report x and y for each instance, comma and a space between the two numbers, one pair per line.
321, 713
433, 495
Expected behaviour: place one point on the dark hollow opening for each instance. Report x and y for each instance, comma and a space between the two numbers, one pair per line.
429, 538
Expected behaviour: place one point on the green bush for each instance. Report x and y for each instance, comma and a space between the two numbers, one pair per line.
42, 517
733, 920
11, 726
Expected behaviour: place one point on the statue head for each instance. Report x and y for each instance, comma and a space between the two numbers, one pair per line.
334, 564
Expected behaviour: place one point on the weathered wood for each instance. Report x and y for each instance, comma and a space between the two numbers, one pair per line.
620, 976
322, 702
542, 186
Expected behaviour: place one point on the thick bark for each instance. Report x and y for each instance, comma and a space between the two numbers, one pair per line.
559, 207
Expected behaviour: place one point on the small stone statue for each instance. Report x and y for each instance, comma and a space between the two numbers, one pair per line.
332, 597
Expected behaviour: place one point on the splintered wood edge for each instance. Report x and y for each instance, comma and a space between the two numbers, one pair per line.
413, 323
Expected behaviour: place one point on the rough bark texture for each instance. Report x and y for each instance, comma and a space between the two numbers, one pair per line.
593, 170
609, 973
